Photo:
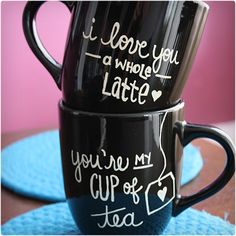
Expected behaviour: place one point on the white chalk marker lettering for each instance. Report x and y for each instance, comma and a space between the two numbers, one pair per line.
124, 42
107, 60
130, 188
89, 36
164, 55
111, 182
143, 71
119, 90
112, 219
117, 164
142, 161
84, 161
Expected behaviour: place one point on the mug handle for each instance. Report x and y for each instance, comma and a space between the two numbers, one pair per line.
188, 132
30, 31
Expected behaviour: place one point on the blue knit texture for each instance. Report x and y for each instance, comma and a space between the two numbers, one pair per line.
56, 219
32, 166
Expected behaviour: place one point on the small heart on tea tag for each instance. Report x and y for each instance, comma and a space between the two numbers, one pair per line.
156, 94
162, 193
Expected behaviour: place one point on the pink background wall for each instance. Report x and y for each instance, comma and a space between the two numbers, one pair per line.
29, 95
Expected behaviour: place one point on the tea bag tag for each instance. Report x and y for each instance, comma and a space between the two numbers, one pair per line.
160, 193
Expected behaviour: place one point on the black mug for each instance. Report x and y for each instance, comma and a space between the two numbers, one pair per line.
122, 172
123, 56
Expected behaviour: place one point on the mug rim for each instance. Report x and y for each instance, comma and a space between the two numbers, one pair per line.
201, 3
72, 111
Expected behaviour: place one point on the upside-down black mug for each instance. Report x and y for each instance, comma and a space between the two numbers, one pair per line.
123, 56
122, 172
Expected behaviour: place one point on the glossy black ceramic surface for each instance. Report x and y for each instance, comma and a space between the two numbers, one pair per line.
122, 171
123, 56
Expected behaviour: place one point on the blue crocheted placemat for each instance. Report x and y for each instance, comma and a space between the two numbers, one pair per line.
56, 219
32, 166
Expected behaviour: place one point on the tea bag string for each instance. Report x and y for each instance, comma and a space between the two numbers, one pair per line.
161, 148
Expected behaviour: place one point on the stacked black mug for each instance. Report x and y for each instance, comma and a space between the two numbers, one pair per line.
122, 128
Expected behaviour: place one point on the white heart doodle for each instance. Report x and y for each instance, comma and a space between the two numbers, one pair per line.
156, 94
162, 193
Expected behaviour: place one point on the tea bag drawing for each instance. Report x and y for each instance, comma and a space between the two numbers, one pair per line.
164, 186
